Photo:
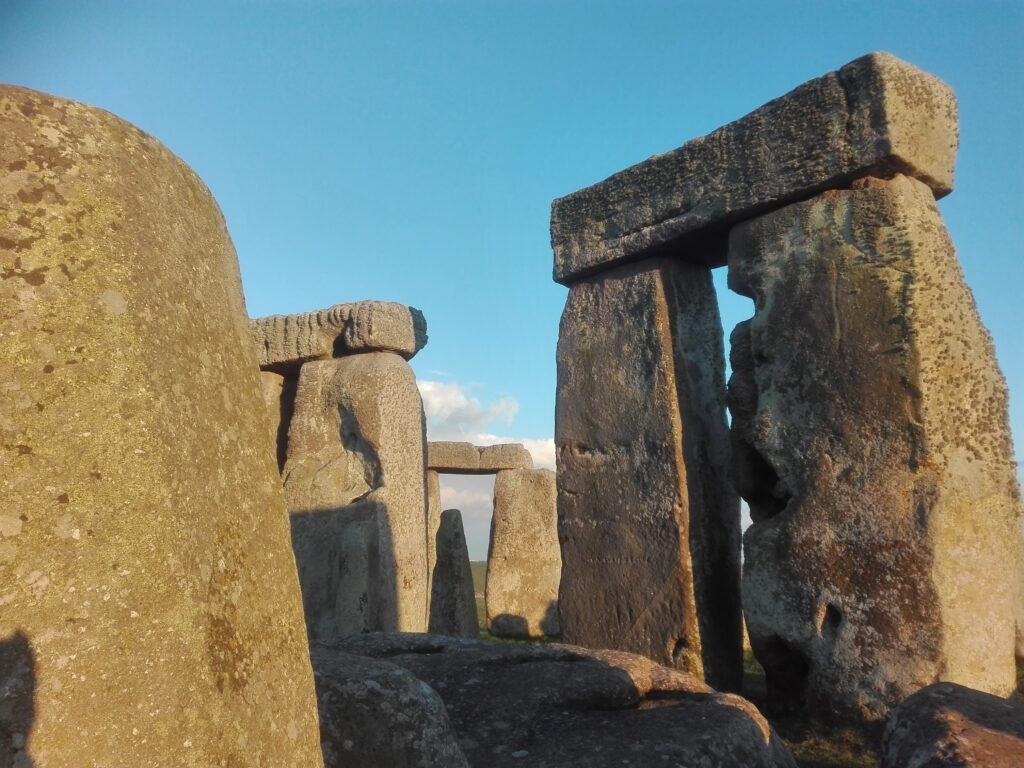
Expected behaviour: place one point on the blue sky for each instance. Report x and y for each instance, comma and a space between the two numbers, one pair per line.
410, 150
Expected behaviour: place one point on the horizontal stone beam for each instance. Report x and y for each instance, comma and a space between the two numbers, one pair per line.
285, 342
877, 116
456, 458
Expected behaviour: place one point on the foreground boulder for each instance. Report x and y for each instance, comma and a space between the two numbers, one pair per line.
150, 606
559, 706
950, 725
378, 715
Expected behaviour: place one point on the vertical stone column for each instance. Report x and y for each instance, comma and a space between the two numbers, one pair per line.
150, 609
647, 521
871, 439
524, 563
452, 597
279, 396
354, 485
433, 522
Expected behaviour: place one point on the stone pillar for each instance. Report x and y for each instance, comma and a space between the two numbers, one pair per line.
354, 485
151, 613
871, 439
524, 563
433, 522
452, 597
279, 396
647, 521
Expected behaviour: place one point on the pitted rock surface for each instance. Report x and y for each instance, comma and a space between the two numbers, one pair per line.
555, 706
524, 563
949, 726
354, 487
871, 442
877, 116
378, 715
150, 603
285, 342
648, 522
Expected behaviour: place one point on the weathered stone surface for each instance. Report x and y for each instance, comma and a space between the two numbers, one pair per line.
279, 396
433, 522
467, 459
871, 438
949, 725
876, 116
151, 611
524, 563
285, 342
555, 706
379, 715
502, 456
647, 519
452, 599
355, 492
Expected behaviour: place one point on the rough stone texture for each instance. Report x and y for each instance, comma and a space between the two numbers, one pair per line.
948, 725
647, 520
355, 492
495, 458
433, 523
378, 715
524, 563
554, 706
150, 608
1020, 597
285, 342
871, 439
279, 396
452, 598
467, 459
876, 116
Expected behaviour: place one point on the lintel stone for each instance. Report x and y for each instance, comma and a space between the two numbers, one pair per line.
457, 458
876, 116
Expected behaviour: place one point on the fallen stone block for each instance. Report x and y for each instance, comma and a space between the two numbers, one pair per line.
876, 116
950, 726
555, 706
648, 522
872, 444
285, 342
524, 563
151, 612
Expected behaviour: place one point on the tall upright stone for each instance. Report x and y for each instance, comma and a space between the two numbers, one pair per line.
452, 597
647, 521
524, 563
433, 521
354, 486
145, 572
871, 438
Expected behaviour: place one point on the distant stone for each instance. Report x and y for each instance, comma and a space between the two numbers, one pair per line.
433, 523
468, 459
452, 598
504, 456
948, 725
876, 116
452, 457
648, 522
355, 470
565, 706
376, 715
872, 445
524, 563
285, 342
150, 609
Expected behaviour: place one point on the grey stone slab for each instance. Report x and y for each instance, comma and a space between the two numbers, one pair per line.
647, 519
150, 609
524, 562
458, 458
285, 342
872, 445
876, 116
452, 598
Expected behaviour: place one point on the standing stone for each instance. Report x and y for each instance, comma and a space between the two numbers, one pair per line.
871, 438
279, 396
433, 522
524, 563
149, 595
647, 521
452, 598
355, 492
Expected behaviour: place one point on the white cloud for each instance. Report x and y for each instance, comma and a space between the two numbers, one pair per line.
453, 414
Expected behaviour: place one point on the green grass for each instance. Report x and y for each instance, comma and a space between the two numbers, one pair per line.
479, 570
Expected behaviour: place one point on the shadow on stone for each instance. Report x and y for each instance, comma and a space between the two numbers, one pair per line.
17, 700
507, 625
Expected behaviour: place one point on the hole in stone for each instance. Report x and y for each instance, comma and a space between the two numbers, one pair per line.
680, 647
830, 621
759, 484
786, 670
